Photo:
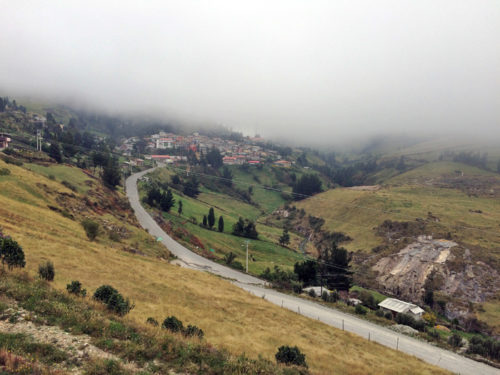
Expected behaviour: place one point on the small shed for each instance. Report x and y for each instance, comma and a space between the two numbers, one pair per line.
401, 307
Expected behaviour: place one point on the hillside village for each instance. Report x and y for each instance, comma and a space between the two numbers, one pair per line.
171, 148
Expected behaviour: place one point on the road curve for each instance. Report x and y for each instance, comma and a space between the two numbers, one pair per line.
427, 352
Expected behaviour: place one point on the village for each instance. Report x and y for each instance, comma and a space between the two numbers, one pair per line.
169, 148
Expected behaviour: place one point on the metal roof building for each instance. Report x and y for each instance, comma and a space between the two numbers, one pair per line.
397, 306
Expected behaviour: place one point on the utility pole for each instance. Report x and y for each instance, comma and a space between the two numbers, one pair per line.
247, 253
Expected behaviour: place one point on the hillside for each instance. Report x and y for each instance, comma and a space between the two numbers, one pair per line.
230, 317
451, 200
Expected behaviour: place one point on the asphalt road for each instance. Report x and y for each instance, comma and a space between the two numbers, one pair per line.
429, 353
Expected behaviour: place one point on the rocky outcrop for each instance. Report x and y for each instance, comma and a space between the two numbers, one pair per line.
442, 265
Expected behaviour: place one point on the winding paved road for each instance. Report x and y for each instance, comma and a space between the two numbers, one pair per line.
429, 353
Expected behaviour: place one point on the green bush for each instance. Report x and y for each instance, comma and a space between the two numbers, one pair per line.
312, 293
91, 228
172, 324
46, 271
152, 321
11, 253
4, 172
70, 186
324, 296
193, 331
455, 340
388, 315
359, 309
409, 320
75, 287
113, 300
290, 356
379, 313
334, 296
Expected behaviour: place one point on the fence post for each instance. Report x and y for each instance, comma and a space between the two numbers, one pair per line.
397, 344
342, 324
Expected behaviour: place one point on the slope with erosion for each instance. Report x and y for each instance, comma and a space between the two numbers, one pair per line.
230, 317
450, 200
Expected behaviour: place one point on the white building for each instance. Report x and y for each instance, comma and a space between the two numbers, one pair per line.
396, 306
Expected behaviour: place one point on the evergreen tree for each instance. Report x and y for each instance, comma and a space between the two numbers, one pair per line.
308, 184
111, 174
285, 238
55, 152
179, 210
11, 253
221, 224
306, 271
211, 217
191, 187
167, 201
204, 220
228, 177
334, 268
214, 158
2, 105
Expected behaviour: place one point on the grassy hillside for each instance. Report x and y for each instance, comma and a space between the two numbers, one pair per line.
467, 206
230, 317
264, 252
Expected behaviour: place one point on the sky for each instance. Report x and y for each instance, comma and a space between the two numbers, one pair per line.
302, 71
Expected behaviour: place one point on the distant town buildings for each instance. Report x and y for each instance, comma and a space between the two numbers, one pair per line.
250, 151
5, 139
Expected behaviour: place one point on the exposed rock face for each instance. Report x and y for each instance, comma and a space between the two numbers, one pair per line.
426, 260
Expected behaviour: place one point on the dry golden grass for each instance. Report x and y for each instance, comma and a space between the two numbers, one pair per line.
229, 316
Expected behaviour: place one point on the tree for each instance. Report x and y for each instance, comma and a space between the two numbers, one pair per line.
55, 152
211, 217
229, 258
179, 209
308, 184
245, 228
111, 174
221, 224
334, 268
227, 176
91, 228
204, 220
214, 158
498, 167
191, 187
2, 105
290, 356
173, 324
11, 253
167, 201
285, 238
46, 271
306, 271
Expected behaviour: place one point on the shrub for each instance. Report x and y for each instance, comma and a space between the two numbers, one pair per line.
379, 313
359, 309
312, 293
104, 293
69, 185
193, 331
324, 296
388, 315
290, 356
434, 334
46, 271
91, 228
334, 296
11, 252
152, 321
113, 299
75, 287
455, 340
4, 172
367, 299
172, 324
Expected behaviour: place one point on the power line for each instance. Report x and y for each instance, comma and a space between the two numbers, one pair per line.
264, 187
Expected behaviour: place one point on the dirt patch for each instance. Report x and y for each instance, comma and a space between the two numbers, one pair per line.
365, 188
78, 347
